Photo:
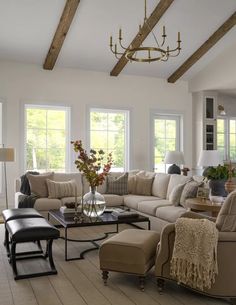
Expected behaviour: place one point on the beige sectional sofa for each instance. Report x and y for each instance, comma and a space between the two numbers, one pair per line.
157, 206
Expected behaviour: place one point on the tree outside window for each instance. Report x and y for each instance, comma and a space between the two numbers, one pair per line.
46, 138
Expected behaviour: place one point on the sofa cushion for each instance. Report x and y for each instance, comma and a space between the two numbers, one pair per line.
176, 180
132, 201
160, 185
38, 184
149, 207
61, 189
45, 204
113, 200
170, 213
117, 185
175, 194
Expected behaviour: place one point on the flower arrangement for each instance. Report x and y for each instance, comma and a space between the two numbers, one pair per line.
91, 164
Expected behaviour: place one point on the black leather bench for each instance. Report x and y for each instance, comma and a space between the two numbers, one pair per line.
30, 230
11, 214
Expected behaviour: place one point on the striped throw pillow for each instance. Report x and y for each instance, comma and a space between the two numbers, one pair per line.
117, 185
58, 190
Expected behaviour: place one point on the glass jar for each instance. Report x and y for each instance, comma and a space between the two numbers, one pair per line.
93, 203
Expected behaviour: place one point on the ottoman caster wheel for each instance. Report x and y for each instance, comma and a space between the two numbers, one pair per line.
160, 285
105, 277
141, 282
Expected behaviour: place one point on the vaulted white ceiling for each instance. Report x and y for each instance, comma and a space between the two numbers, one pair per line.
28, 26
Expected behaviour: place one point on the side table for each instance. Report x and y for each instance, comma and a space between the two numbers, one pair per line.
198, 204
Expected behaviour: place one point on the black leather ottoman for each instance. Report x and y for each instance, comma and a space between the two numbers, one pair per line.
31, 230
11, 214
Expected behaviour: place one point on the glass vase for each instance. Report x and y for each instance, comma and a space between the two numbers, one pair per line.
93, 203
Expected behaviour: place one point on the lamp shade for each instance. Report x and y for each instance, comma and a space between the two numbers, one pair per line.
174, 157
209, 158
7, 154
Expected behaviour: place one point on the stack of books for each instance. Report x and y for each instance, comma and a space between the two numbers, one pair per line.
119, 213
65, 210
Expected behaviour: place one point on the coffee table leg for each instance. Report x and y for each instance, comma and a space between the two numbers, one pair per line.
149, 225
66, 244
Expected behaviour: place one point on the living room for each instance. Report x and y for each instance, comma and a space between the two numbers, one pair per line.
80, 84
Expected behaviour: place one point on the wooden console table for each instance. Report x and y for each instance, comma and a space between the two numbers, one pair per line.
198, 204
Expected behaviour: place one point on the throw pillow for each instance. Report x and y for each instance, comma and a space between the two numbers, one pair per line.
38, 184
143, 186
24, 185
117, 185
176, 193
58, 190
189, 191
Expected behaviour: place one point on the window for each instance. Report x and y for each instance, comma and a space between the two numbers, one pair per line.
226, 138
166, 138
47, 135
109, 130
222, 138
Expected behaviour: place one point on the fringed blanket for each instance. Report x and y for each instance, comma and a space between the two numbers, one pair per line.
194, 260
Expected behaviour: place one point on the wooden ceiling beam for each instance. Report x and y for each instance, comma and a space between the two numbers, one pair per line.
60, 34
153, 19
204, 48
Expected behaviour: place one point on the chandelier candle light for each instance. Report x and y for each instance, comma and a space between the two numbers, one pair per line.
143, 53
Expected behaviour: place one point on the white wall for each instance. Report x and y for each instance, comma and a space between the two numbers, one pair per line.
229, 104
79, 89
220, 73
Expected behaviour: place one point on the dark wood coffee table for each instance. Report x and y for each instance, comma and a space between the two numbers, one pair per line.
67, 221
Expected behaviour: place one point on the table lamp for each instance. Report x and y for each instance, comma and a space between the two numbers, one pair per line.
6, 155
209, 158
174, 157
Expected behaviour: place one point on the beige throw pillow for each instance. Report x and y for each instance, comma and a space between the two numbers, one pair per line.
143, 186
38, 184
189, 191
58, 190
175, 194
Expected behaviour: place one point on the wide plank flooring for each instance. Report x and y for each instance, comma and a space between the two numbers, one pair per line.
79, 282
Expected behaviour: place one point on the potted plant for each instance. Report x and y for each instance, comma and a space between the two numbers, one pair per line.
217, 177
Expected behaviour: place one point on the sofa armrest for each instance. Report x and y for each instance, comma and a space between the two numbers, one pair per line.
18, 197
165, 248
17, 185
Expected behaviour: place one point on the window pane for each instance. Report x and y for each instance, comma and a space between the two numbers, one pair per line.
36, 118
56, 119
220, 126
108, 132
220, 140
165, 139
46, 138
232, 140
232, 126
170, 128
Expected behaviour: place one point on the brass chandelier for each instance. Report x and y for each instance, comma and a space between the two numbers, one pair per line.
143, 53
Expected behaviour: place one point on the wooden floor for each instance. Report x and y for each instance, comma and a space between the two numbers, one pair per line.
79, 282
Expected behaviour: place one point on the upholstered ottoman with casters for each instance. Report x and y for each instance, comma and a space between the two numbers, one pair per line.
130, 251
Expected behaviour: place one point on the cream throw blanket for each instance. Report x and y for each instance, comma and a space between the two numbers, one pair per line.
194, 260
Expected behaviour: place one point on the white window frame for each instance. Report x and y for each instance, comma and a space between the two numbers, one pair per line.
67, 110
126, 112
179, 133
